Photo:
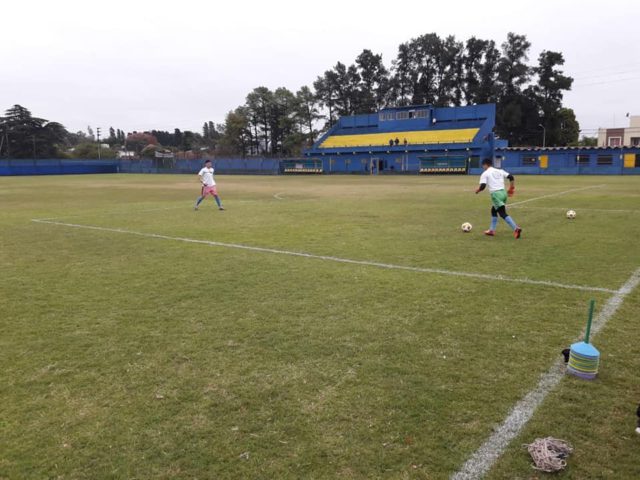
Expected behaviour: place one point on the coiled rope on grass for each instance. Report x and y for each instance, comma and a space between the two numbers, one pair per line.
549, 454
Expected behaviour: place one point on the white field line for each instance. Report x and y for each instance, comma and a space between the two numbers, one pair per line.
118, 212
278, 196
555, 195
490, 451
185, 206
604, 210
439, 271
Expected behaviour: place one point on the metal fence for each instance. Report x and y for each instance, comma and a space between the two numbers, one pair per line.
555, 163
56, 167
248, 166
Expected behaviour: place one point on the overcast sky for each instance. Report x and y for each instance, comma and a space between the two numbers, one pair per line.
140, 65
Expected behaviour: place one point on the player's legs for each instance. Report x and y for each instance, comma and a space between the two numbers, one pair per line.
499, 201
213, 191
502, 211
517, 231
200, 198
494, 222
209, 190
494, 219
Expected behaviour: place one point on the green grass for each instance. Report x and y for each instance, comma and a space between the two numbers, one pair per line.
597, 418
124, 356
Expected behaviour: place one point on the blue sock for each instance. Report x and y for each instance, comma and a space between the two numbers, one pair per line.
494, 224
510, 221
199, 200
217, 200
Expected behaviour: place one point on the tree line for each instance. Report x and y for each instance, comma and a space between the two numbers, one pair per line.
427, 70
24, 136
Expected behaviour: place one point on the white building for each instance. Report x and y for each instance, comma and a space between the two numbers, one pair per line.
126, 154
618, 137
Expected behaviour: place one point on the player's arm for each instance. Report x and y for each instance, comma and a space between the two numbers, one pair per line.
512, 185
483, 183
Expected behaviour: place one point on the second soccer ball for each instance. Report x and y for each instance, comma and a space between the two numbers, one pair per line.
466, 227
571, 214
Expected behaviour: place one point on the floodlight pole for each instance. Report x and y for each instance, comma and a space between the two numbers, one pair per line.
98, 137
544, 135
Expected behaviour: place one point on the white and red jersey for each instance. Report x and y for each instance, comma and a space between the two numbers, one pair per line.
206, 176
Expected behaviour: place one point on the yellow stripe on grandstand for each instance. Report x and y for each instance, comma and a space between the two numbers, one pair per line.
460, 135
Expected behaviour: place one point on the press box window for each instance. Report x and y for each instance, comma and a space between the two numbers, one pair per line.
605, 159
582, 159
529, 161
421, 114
402, 115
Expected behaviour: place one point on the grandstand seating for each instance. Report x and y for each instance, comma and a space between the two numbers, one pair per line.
396, 140
416, 137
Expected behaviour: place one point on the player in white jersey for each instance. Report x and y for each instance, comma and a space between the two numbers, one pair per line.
208, 185
494, 179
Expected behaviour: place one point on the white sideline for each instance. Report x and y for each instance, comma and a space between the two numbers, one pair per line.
555, 194
118, 212
490, 451
482, 276
278, 196
605, 210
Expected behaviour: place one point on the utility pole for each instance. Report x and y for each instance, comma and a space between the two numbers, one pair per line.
34, 145
6, 138
98, 137
544, 135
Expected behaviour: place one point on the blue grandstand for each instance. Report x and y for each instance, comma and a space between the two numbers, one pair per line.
430, 140
404, 139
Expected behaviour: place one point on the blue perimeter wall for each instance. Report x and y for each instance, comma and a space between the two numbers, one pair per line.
247, 166
563, 161
517, 161
265, 166
56, 167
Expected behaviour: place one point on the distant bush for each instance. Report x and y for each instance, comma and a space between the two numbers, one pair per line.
90, 150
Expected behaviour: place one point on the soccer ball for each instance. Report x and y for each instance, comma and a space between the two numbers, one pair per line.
466, 227
571, 214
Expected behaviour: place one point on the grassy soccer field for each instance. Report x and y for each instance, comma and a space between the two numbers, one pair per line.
139, 350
